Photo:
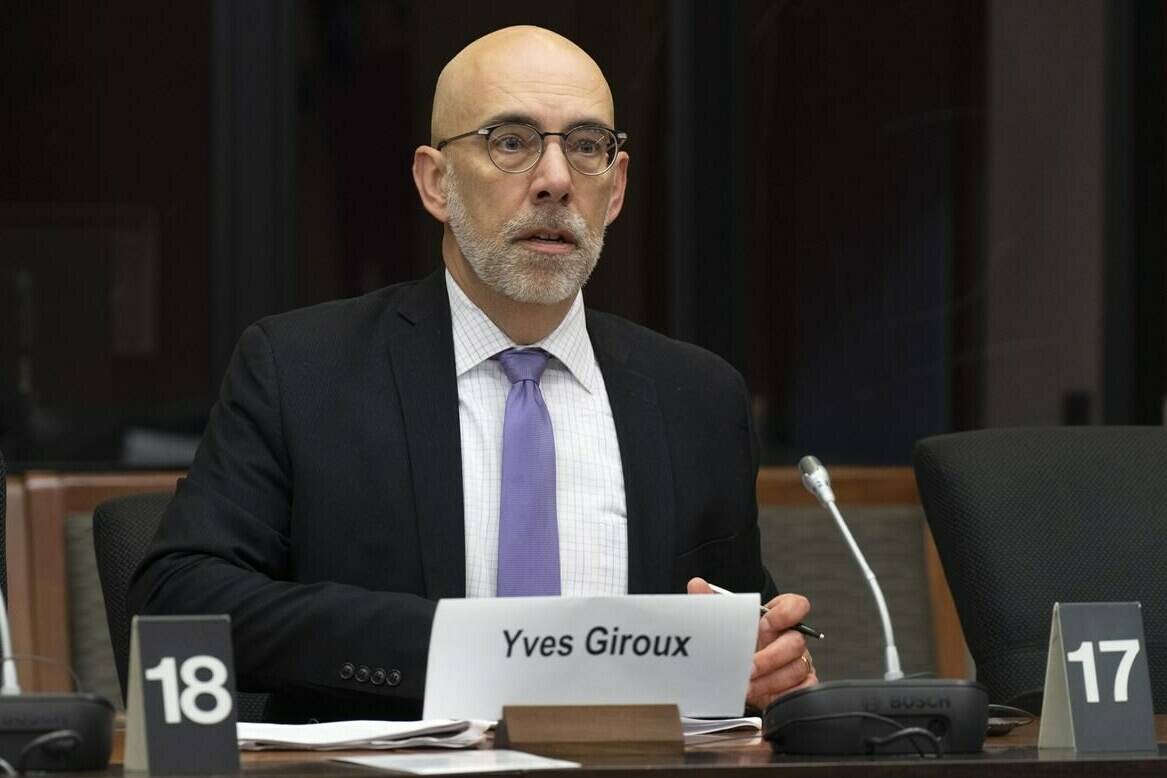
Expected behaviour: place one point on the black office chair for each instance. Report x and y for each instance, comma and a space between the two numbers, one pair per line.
1027, 517
122, 530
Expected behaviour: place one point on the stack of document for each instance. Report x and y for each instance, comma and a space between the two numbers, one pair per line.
693, 727
340, 735
440, 733
500, 761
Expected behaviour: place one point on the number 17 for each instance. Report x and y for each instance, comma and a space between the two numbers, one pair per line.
1084, 654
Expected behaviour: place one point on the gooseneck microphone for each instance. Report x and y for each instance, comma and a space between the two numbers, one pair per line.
889, 715
818, 482
11, 684
47, 731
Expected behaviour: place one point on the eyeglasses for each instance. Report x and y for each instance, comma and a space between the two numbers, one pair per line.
516, 148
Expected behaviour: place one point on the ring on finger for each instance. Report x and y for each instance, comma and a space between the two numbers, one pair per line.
807, 661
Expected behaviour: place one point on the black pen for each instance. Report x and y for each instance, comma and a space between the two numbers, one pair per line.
799, 627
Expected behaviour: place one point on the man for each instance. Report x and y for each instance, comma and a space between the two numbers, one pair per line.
360, 463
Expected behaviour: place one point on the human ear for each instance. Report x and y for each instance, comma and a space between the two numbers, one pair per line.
619, 182
429, 176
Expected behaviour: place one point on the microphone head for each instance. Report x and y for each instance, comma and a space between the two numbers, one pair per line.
816, 479
809, 464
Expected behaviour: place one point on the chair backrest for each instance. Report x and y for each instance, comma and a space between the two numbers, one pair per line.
122, 530
1027, 517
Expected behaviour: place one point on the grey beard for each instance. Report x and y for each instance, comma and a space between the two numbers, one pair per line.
514, 271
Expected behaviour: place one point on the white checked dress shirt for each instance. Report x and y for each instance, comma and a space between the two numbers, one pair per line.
589, 501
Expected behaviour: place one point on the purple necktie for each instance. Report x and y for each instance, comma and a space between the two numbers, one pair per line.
528, 533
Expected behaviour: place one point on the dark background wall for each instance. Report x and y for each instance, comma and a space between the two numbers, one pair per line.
895, 218
104, 238
868, 137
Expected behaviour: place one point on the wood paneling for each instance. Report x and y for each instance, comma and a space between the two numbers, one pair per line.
947, 637
875, 486
853, 486
38, 503
20, 608
42, 579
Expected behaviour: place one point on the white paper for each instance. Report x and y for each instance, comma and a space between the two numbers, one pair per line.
494, 761
337, 735
695, 652
692, 727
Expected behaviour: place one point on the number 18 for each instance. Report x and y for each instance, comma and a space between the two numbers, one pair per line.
176, 705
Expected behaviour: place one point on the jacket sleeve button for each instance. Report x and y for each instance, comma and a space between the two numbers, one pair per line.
378, 677
362, 674
394, 677
347, 670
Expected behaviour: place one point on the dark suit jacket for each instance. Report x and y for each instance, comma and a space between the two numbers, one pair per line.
323, 510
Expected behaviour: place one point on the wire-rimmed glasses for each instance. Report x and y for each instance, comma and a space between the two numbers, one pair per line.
516, 148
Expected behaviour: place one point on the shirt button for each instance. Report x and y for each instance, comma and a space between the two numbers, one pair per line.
378, 676
394, 677
362, 674
346, 671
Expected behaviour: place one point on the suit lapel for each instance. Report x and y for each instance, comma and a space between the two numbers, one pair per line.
422, 355
644, 453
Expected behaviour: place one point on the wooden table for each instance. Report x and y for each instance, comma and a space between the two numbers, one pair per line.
734, 757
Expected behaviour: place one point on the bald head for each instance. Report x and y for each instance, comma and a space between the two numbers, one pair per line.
522, 68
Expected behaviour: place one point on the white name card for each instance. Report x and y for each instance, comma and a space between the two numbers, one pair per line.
694, 651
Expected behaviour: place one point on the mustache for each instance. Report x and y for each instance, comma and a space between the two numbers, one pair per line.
558, 219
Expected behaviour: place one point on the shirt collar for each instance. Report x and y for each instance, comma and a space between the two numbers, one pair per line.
477, 338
